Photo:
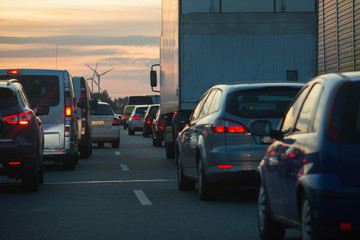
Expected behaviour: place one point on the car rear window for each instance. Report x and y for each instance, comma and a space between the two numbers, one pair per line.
102, 109
352, 116
141, 110
7, 99
40, 89
268, 102
153, 110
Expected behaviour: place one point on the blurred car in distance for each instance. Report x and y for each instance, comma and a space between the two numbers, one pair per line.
215, 146
135, 121
127, 112
84, 105
54, 88
121, 119
106, 126
310, 173
148, 119
158, 128
21, 136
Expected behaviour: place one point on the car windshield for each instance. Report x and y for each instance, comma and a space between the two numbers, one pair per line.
102, 109
40, 89
269, 102
7, 99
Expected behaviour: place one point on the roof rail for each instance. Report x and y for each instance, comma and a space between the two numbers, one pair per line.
11, 81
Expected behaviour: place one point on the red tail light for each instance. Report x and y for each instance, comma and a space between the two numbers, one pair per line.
13, 72
222, 125
68, 108
21, 119
148, 122
224, 166
68, 111
116, 122
345, 226
135, 118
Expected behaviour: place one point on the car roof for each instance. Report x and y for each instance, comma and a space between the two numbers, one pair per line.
9, 84
253, 85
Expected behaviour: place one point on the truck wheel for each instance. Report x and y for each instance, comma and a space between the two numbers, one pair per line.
116, 143
169, 150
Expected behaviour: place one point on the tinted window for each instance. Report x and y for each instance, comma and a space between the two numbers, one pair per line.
153, 110
40, 89
309, 107
140, 100
269, 102
352, 113
7, 98
102, 109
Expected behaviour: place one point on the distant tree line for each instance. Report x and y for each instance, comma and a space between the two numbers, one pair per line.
118, 104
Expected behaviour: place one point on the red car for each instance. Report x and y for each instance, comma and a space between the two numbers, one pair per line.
158, 127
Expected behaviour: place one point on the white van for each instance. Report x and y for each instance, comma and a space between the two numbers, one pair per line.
54, 88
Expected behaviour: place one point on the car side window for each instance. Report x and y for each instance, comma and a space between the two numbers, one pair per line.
207, 105
308, 109
215, 104
290, 116
198, 107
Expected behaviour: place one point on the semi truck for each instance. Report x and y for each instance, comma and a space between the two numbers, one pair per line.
209, 42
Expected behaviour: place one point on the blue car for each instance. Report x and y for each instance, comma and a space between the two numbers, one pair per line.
310, 175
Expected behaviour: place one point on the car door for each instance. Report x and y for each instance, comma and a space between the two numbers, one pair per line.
273, 161
188, 140
299, 147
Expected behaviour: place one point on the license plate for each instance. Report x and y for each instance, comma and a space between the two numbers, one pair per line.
97, 122
266, 139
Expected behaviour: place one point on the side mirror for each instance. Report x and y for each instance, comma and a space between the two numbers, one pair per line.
180, 118
260, 128
93, 104
42, 110
153, 78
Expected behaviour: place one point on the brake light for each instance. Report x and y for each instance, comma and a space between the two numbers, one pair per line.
161, 127
222, 125
14, 163
13, 72
135, 118
68, 111
225, 166
21, 119
345, 226
116, 122
68, 108
148, 122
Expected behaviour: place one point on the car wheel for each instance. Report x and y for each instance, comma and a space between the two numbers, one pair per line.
268, 228
41, 174
206, 190
153, 141
308, 228
100, 144
30, 179
158, 142
131, 132
145, 134
69, 162
116, 143
184, 184
169, 148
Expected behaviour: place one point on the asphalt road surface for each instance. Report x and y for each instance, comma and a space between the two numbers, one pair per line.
124, 193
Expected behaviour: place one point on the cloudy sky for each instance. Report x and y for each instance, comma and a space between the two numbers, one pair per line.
115, 33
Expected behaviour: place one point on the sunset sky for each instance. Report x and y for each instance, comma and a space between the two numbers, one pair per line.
116, 33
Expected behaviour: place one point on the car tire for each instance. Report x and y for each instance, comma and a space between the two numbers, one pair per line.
153, 141
69, 162
184, 184
169, 148
41, 174
145, 134
309, 229
100, 144
206, 190
85, 152
268, 228
131, 132
30, 179
116, 143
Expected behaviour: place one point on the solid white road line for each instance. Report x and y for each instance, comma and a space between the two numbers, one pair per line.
124, 167
112, 181
117, 153
142, 197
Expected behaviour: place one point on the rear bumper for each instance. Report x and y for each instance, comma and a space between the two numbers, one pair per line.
106, 135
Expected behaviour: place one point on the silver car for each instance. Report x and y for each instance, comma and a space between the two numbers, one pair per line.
215, 146
135, 121
105, 126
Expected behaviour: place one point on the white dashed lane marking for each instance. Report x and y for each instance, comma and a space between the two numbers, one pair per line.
142, 198
117, 153
124, 167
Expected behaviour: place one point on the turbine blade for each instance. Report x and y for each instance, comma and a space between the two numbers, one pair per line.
107, 71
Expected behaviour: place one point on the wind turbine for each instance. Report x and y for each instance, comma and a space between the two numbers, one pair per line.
98, 75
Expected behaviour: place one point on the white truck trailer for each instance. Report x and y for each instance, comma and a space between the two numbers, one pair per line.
208, 42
